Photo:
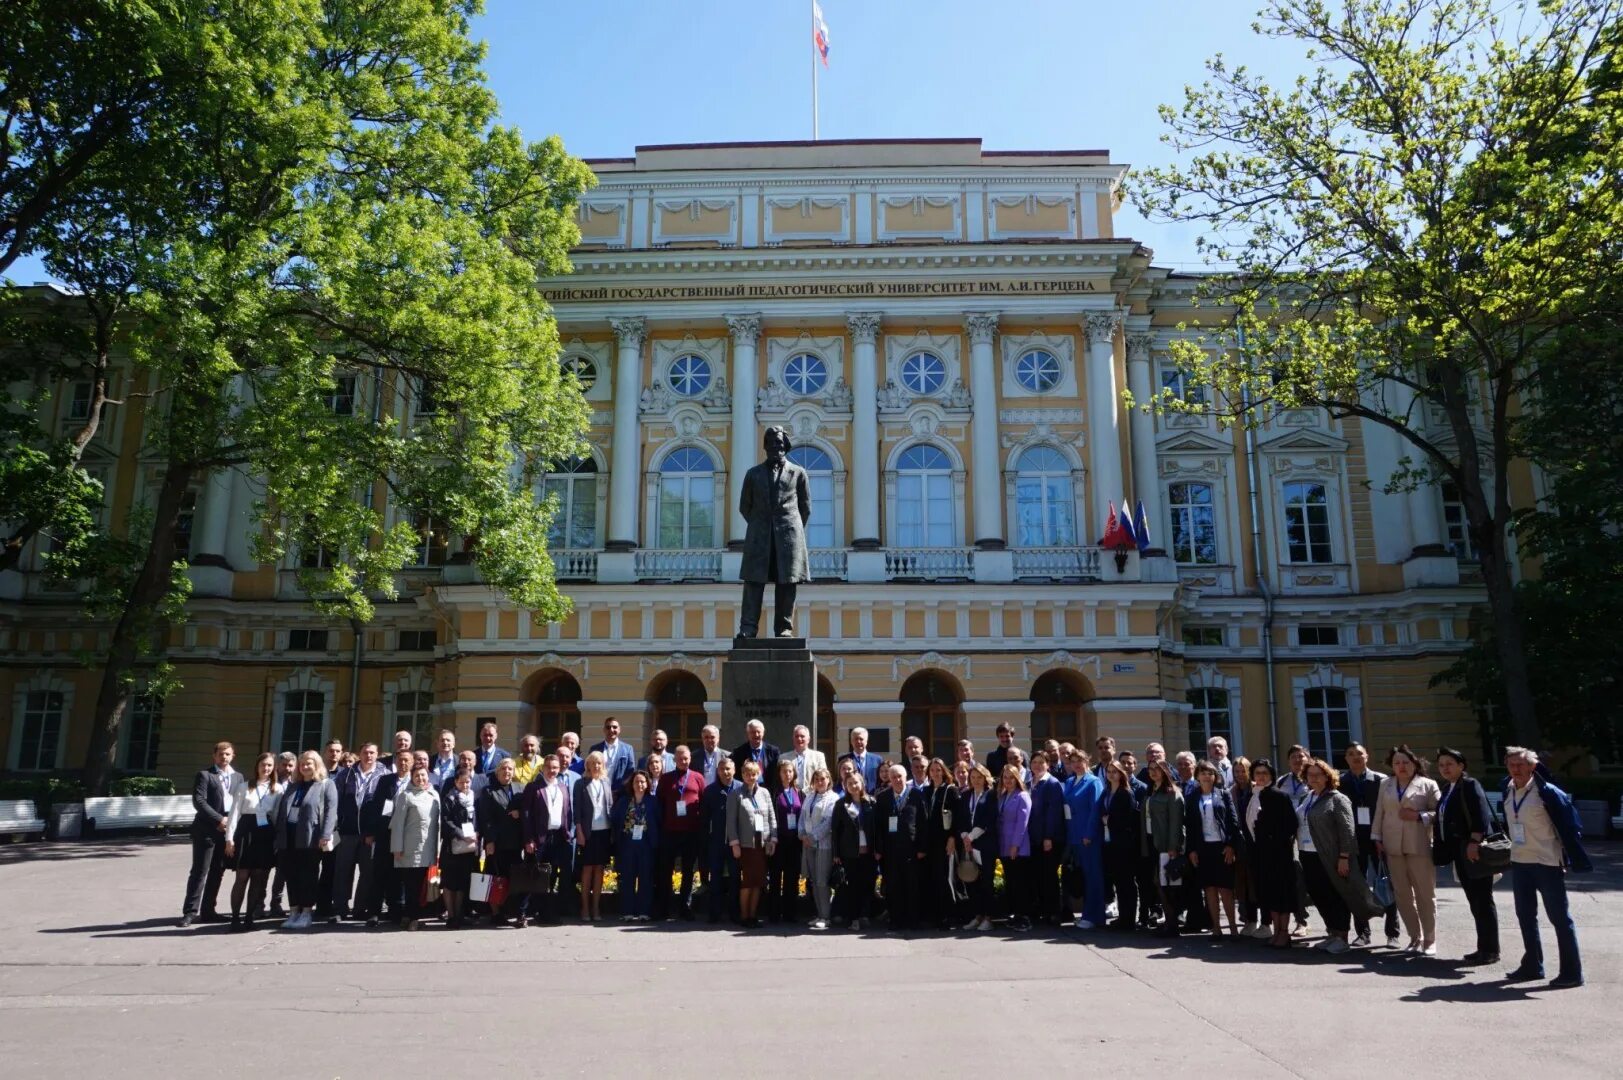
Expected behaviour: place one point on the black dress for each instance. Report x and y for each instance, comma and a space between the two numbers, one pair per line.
1274, 850
456, 870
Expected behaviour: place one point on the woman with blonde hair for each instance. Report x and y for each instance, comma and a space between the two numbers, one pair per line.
1014, 846
752, 833
817, 844
1402, 833
251, 838
306, 817
593, 803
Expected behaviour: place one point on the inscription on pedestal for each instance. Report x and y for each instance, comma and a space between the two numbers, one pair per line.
773, 680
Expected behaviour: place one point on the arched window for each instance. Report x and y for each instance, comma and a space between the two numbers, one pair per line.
584, 370
574, 481
690, 375
1056, 710
1037, 371
923, 373
1209, 715
1044, 502
820, 479
687, 500
924, 501
1194, 523
557, 710
1328, 720
679, 709
805, 374
930, 710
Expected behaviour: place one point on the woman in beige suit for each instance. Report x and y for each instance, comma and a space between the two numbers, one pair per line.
1401, 831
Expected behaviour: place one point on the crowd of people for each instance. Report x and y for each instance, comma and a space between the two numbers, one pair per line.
1220, 845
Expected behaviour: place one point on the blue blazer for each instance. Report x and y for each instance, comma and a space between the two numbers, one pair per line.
868, 767
983, 817
1084, 795
1121, 814
1228, 823
621, 762
1047, 814
713, 806
487, 760
651, 816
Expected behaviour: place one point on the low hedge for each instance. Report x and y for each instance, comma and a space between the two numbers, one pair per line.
43, 790
142, 785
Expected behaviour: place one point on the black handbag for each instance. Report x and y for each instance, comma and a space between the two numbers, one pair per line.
836, 876
1177, 867
526, 877
1492, 857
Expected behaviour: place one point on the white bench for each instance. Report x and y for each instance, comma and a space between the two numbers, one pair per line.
20, 817
139, 812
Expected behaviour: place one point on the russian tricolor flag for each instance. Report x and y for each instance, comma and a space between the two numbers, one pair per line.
819, 31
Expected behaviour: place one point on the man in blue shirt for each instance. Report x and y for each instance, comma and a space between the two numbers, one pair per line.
489, 755
618, 756
442, 766
865, 763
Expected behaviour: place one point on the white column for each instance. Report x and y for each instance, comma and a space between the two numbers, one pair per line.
208, 541
1141, 431
1104, 416
625, 465
982, 328
1426, 520
746, 331
864, 328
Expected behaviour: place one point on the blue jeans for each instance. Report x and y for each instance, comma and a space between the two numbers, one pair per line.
1529, 882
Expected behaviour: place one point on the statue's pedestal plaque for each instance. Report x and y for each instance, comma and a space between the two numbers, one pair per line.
773, 680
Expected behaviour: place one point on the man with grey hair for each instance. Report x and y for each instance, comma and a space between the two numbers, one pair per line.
865, 763
1546, 841
1154, 754
710, 752
1217, 752
805, 760
755, 748
575, 762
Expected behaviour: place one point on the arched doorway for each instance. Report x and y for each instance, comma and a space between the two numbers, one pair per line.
826, 722
557, 710
679, 708
1056, 710
931, 709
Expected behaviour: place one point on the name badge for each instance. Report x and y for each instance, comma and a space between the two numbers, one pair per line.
681, 808
862, 839
261, 819
636, 832
467, 830
1363, 815
894, 822
1107, 834
794, 821
1518, 833
388, 807
760, 822
1067, 811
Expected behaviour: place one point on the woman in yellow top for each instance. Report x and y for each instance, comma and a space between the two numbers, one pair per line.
1401, 830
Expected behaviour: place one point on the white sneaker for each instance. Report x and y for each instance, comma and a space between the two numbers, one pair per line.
303, 920
1324, 946
1336, 947
1413, 946
1362, 941
1263, 932
1083, 924
292, 922
819, 924
984, 924
1110, 911
1429, 950
1391, 941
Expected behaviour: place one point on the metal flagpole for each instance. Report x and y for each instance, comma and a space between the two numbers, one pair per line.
814, 69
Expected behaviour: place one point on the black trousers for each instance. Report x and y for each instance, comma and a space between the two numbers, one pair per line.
411, 880
678, 851
1045, 881
208, 866
902, 887
1018, 885
1331, 907
783, 882
1479, 894
1121, 877
328, 874
1149, 869
384, 887
855, 897
300, 865
783, 599
1366, 854
935, 892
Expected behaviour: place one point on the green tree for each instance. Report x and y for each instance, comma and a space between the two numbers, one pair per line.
339, 202
1403, 231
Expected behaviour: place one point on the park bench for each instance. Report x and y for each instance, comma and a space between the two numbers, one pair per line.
20, 817
139, 812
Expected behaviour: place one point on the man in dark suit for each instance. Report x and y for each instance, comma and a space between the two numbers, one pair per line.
710, 753
755, 748
1046, 828
466, 759
998, 756
775, 504
489, 754
1362, 786
899, 811
212, 791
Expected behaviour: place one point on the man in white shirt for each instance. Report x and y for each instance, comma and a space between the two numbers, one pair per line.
867, 764
805, 760
212, 792
1545, 842
618, 755
442, 766
710, 753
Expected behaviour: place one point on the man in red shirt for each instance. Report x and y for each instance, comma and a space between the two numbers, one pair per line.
680, 836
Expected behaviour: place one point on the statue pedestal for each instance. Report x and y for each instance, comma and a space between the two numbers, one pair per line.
773, 680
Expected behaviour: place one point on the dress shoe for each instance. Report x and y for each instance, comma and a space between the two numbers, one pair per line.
187, 920
1524, 974
211, 917
1566, 982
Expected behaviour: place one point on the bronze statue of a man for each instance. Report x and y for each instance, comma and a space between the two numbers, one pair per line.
775, 504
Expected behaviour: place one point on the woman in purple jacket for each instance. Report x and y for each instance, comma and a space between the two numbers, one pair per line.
1014, 846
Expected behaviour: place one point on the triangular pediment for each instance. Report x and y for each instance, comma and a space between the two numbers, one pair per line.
1304, 440
1192, 442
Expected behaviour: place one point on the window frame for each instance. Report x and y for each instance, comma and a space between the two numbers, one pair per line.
1288, 506
1206, 709
688, 374
925, 497
582, 471
1182, 515
1062, 498
922, 370
1037, 385
689, 501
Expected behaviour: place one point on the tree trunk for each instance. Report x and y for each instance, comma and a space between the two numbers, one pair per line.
137, 621
1510, 643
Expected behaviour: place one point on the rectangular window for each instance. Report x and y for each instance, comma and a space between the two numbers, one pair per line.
1309, 634
820, 529
418, 640
315, 557
574, 526
1458, 526
40, 741
184, 523
427, 400
924, 511
1183, 388
1208, 716
414, 712
302, 720
307, 641
433, 541
341, 397
1203, 635
1194, 524
1327, 719
79, 397
1307, 523
142, 729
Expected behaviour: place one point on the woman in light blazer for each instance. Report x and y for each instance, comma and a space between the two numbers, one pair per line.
414, 840
1401, 831
817, 844
306, 816
1328, 842
251, 838
752, 833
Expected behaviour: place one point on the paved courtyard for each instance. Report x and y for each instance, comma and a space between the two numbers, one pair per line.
95, 979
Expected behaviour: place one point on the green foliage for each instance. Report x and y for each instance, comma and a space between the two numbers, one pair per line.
43, 791
142, 785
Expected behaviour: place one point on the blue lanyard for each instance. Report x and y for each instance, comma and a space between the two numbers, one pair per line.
1402, 791
1442, 804
1516, 804
1307, 807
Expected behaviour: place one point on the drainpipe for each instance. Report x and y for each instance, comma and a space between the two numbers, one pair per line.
1257, 562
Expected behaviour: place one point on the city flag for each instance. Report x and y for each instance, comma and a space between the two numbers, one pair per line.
1113, 537
1141, 527
819, 32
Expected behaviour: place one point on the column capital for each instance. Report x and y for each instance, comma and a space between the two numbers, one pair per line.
1102, 325
864, 326
630, 329
1139, 346
981, 326
745, 328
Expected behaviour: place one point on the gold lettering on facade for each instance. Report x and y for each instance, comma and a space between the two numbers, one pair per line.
812, 290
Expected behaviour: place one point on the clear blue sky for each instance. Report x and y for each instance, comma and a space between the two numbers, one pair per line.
609, 75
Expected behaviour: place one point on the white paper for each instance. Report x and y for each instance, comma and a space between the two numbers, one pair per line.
388, 807
760, 821
1363, 815
467, 830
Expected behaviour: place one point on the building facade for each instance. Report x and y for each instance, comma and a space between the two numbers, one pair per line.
945, 331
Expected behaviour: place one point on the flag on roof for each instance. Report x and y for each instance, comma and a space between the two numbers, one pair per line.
819, 31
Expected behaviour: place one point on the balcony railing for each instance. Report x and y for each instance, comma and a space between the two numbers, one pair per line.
574, 565
656, 564
1056, 564
828, 564
929, 564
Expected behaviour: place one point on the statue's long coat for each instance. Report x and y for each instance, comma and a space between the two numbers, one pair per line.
775, 516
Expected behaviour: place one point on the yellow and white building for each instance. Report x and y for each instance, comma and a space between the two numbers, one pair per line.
946, 332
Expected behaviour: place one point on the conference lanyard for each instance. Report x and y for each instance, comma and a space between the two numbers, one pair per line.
1516, 804
1402, 791
1308, 805
1442, 804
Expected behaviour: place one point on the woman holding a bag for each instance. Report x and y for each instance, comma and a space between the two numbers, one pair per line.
1402, 834
459, 851
499, 813
1328, 841
1464, 818
942, 810
414, 837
